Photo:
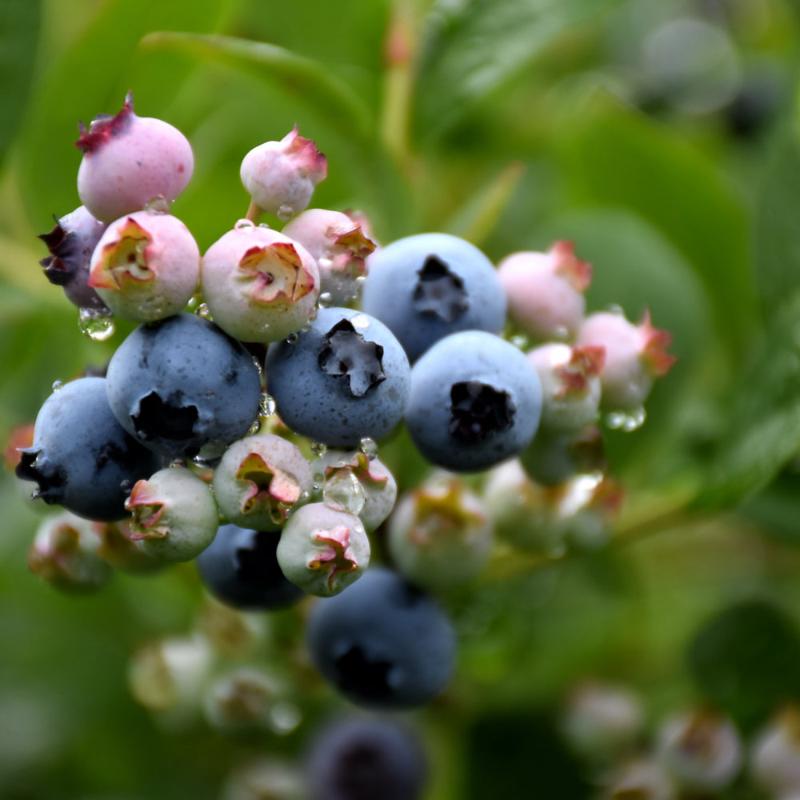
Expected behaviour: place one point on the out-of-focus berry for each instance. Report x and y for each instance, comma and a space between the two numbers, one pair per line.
775, 754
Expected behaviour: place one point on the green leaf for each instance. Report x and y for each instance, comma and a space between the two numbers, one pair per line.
19, 29
312, 80
763, 430
778, 224
92, 76
470, 49
746, 661
613, 157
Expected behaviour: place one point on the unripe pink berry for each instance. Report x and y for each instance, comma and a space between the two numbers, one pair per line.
545, 291
129, 161
260, 286
634, 356
570, 379
339, 246
281, 176
146, 266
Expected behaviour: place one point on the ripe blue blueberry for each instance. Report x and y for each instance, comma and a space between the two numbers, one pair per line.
475, 401
240, 568
382, 642
428, 286
344, 379
363, 758
180, 384
81, 458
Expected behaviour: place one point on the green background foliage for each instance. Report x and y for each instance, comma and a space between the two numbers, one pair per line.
514, 122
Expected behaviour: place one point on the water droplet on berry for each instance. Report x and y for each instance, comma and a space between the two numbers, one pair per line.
204, 312
56, 385
126, 486
318, 449
520, 342
177, 463
97, 325
361, 280
291, 338
325, 299
244, 223
264, 225
344, 491
368, 447
285, 213
561, 332
266, 407
157, 205
194, 302
616, 308
626, 421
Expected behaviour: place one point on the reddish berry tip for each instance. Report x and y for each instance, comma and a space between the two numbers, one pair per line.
578, 273
654, 350
104, 127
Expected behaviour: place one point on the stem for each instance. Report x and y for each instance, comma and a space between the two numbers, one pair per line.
253, 212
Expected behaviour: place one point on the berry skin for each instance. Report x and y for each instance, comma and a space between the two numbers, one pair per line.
545, 291
775, 754
81, 458
364, 758
323, 550
475, 401
701, 750
382, 643
570, 379
129, 161
146, 266
64, 553
71, 244
428, 286
260, 286
344, 379
378, 488
340, 247
281, 176
634, 356
260, 480
174, 517
181, 384
240, 568
440, 535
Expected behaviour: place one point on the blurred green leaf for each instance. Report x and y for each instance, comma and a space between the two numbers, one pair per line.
746, 661
778, 224
311, 80
19, 31
470, 49
92, 77
763, 428
616, 158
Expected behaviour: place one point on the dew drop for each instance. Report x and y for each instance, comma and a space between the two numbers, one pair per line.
361, 280
126, 486
285, 213
519, 341
291, 338
561, 332
157, 205
97, 325
368, 447
244, 223
56, 385
264, 225
325, 299
204, 312
177, 463
344, 491
318, 449
616, 308
626, 421
266, 406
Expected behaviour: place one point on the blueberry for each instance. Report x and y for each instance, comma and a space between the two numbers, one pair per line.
428, 286
361, 759
71, 244
181, 383
241, 569
475, 401
343, 379
81, 458
382, 642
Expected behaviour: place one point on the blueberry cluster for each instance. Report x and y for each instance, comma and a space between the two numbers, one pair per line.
237, 424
